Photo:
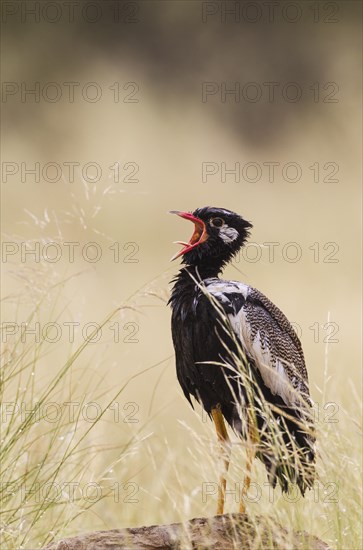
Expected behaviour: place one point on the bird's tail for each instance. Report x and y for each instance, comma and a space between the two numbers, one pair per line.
287, 449
284, 437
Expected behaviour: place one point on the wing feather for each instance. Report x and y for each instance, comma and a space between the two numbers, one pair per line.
267, 338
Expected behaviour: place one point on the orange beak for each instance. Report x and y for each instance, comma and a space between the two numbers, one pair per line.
199, 236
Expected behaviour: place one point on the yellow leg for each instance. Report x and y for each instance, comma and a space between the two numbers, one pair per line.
225, 453
252, 438
247, 479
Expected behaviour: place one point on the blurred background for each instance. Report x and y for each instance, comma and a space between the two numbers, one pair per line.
115, 113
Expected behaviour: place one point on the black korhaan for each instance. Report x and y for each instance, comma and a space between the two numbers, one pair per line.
238, 355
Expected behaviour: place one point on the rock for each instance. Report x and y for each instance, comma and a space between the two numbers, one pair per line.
226, 532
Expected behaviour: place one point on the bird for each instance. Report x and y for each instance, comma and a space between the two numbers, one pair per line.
238, 355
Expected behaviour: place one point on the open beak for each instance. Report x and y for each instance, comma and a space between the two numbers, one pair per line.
199, 236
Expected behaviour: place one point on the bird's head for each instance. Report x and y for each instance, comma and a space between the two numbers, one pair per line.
217, 237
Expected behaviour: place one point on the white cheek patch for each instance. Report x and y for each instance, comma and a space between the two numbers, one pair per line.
228, 234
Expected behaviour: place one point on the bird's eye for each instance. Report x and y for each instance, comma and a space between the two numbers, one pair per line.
216, 222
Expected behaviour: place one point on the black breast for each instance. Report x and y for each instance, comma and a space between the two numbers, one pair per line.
200, 353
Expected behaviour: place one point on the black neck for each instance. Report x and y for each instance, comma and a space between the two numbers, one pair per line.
192, 273
184, 286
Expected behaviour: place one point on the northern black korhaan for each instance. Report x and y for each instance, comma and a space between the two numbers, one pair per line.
238, 355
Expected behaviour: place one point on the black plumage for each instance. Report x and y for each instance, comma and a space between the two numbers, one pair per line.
236, 351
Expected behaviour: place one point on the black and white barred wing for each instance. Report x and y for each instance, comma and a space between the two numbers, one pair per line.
268, 339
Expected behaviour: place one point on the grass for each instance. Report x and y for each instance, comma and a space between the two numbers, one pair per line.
48, 472
64, 472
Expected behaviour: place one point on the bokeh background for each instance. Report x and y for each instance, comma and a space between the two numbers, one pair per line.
145, 119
